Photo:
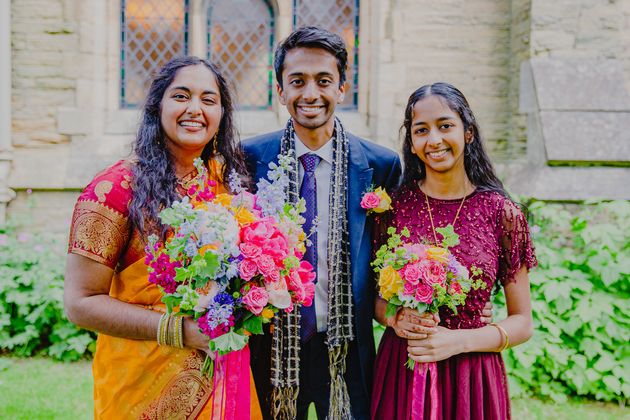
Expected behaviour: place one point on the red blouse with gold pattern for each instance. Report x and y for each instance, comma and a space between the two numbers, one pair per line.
100, 228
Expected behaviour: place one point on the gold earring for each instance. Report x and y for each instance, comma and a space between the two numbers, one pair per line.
214, 143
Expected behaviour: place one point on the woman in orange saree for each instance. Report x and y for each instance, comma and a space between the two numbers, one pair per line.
188, 114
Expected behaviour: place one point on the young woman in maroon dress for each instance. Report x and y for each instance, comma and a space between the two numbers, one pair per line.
448, 179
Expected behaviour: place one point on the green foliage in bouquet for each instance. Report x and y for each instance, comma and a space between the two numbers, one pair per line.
32, 320
580, 305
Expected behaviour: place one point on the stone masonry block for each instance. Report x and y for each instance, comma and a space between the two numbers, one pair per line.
579, 85
586, 136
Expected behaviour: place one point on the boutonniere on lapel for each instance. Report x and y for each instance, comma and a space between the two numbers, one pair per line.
376, 200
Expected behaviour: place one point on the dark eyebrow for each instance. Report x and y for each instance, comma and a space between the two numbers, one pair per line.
439, 120
185, 89
321, 74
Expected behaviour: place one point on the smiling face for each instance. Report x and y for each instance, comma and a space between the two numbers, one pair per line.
310, 88
191, 111
437, 136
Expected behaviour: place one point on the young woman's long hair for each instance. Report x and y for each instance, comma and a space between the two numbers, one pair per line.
154, 180
476, 161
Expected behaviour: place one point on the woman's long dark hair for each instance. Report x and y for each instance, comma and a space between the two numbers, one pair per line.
154, 181
476, 161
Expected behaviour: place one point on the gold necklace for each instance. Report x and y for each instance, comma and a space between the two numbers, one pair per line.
426, 199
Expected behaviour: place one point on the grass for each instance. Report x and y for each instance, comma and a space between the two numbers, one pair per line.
43, 389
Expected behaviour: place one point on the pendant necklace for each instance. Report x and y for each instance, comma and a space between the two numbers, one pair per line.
426, 199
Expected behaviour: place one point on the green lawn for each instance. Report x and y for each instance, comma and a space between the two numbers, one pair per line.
43, 389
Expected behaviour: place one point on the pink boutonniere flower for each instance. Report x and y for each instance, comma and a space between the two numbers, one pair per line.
376, 201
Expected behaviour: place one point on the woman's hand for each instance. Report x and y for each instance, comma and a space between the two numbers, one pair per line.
409, 324
194, 338
440, 345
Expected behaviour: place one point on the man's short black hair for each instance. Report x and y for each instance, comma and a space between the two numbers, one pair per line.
312, 37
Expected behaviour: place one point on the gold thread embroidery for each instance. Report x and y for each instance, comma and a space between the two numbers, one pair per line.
102, 189
184, 396
126, 182
98, 232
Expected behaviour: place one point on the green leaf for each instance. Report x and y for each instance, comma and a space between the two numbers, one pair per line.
613, 384
605, 362
230, 341
449, 237
391, 310
253, 324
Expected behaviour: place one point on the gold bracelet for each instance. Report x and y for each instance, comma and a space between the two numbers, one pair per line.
161, 330
180, 328
178, 341
172, 327
502, 333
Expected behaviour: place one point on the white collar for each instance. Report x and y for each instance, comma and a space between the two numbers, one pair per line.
325, 152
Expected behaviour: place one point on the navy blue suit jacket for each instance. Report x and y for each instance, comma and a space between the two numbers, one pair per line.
369, 164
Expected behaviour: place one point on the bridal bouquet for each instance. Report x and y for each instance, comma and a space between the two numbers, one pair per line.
232, 261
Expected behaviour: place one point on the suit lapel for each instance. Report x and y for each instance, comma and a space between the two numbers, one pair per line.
359, 179
270, 154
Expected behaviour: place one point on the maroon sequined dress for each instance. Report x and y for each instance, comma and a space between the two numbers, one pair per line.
494, 237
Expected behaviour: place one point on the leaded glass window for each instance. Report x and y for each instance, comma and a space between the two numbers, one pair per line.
240, 42
341, 17
153, 32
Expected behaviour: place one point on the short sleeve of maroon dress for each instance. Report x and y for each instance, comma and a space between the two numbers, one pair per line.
100, 226
517, 250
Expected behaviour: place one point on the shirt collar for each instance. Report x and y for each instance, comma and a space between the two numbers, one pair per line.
325, 152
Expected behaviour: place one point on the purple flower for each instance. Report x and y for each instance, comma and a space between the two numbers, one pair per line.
224, 299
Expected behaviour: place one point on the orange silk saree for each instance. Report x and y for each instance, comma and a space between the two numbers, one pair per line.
134, 378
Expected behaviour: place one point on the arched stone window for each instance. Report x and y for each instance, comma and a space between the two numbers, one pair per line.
341, 17
152, 32
241, 42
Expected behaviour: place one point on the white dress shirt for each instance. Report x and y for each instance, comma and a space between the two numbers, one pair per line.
323, 173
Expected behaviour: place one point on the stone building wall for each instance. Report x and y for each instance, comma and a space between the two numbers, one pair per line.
66, 122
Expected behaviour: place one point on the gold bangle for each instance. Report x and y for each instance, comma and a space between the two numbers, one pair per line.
502, 333
172, 327
161, 330
177, 330
181, 332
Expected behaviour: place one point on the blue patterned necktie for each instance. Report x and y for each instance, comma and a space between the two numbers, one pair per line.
308, 191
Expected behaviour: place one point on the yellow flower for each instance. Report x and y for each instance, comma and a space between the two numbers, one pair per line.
386, 201
301, 247
243, 216
438, 254
267, 313
206, 248
200, 205
301, 236
389, 282
224, 199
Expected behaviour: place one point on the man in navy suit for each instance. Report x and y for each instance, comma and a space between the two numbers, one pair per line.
310, 70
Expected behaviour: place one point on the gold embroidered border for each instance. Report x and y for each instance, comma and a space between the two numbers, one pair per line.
98, 232
184, 396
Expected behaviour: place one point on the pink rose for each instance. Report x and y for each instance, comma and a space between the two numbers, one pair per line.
437, 274
249, 250
424, 293
256, 299
266, 265
247, 269
409, 289
455, 289
411, 273
370, 201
